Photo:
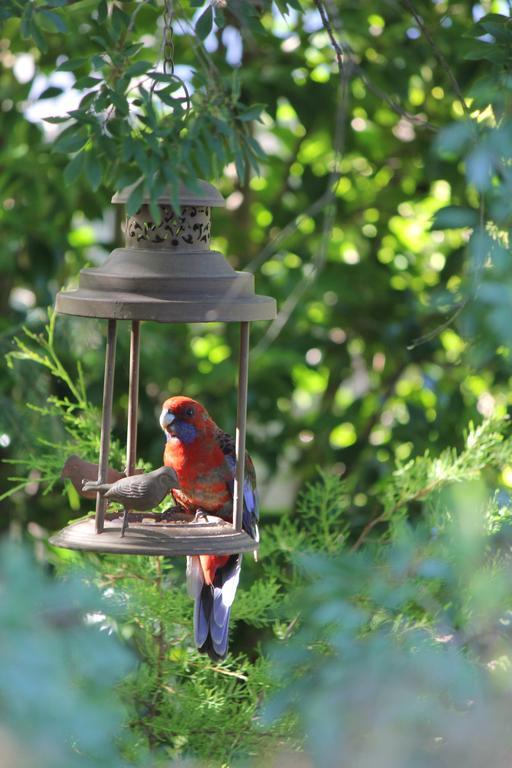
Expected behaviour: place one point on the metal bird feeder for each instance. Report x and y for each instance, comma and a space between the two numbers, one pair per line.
166, 273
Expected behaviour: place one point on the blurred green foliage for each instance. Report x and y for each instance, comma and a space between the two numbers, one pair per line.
380, 221
403, 654
58, 669
382, 320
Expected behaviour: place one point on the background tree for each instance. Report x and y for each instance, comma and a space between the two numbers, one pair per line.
380, 223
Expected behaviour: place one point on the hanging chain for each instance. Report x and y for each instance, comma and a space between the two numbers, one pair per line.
168, 43
168, 56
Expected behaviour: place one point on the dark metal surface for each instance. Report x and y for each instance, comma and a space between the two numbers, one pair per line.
167, 271
79, 472
143, 492
204, 194
150, 538
241, 422
133, 399
106, 419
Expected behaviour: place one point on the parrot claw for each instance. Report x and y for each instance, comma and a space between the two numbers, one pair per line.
125, 523
201, 516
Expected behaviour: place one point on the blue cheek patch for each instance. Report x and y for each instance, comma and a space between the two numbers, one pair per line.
185, 432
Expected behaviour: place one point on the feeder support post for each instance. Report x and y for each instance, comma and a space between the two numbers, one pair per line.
106, 419
133, 399
241, 424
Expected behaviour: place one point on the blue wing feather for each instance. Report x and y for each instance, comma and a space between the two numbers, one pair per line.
213, 603
251, 513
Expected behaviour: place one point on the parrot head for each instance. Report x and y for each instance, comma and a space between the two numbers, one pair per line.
184, 419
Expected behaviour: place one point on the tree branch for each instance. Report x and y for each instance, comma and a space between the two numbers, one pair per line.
438, 54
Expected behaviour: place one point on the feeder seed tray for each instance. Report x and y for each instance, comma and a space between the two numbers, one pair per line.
146, 536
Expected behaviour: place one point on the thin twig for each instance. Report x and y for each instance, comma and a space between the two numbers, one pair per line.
287, 231
440, 328
366, 530
438, 54
347, 66
328, 28
345, 70
388, 514
229, 673
418, 120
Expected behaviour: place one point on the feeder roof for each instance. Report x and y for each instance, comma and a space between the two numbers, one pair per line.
167, 272
201, 193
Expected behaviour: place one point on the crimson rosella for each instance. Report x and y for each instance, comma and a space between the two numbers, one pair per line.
203, 457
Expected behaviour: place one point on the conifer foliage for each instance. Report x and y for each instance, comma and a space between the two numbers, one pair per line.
324, 620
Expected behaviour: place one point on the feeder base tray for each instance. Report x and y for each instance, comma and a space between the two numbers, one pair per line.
147, 536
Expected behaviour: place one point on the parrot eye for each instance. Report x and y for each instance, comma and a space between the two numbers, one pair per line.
189, 412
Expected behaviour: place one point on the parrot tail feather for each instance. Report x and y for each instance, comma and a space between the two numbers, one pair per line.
213, 608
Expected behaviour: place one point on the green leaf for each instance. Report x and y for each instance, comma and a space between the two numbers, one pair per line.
38, 38
54, 19
240, 164
93, 170
74, 168
455, 217
127, 177
453, 140
160, 77
119, 102
71, 139
488, 51
55, 120
235, 85
499, 30
87, 82
138, 68
256, 148
252, 113
479, 167
202, 159
71, 64
51, 92
154, 208
172, 180
204, 23
118, 23
134, 202
102, 11
26, 22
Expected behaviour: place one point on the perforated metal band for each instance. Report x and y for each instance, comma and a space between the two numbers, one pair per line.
190, 229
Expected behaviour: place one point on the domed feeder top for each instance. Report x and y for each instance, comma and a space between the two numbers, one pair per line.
203, 193
167, 272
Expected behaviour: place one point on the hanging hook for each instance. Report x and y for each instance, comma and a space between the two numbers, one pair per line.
168, 53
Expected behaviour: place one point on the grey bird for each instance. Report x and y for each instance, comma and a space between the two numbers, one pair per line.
138, 492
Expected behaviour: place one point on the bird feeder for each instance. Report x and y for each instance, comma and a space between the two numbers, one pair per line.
166, 273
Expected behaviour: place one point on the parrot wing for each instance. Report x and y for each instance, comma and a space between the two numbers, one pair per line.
195, 579
251, 505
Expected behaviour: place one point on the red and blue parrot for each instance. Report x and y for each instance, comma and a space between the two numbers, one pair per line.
203, 457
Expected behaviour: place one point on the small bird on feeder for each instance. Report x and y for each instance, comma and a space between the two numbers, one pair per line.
138, 492
204, 459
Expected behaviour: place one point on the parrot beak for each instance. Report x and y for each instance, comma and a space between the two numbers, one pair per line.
166, 419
